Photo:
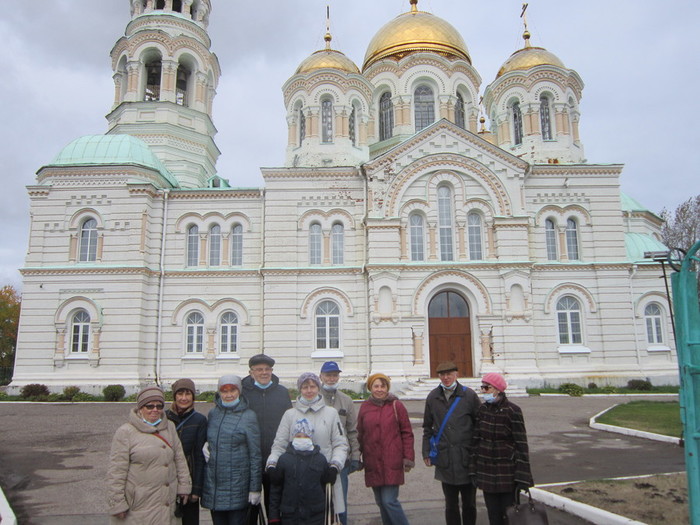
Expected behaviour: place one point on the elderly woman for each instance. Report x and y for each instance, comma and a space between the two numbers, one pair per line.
328, 432
233, 476
147, 468
500, 451
386, 442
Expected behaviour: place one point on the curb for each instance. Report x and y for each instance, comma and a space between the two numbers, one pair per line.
7, 516
631, 432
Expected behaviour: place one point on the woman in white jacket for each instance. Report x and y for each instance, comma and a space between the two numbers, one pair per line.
328, 431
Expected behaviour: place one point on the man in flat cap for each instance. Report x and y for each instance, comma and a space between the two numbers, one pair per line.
456, 406
269, 400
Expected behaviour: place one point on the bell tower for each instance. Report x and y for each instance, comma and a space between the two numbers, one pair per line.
165, 79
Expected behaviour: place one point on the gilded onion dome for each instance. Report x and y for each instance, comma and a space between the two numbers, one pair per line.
529, 57
414, 32
327, 58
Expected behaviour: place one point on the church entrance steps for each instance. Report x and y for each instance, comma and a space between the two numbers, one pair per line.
419, 390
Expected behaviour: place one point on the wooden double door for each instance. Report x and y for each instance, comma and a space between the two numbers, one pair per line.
449, 330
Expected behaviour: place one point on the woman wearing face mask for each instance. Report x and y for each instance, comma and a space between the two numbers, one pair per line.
147, 468
501, 457
233, 475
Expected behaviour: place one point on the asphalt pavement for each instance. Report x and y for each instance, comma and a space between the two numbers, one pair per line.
53, 459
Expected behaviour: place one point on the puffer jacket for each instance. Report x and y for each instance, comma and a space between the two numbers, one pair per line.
145, 474
386, 440
192, 429
234, 467
452, 463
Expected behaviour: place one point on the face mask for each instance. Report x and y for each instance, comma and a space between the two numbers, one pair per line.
154, 423
489, 398
330, 388
454, 385
231, 404
302, 444
259, 385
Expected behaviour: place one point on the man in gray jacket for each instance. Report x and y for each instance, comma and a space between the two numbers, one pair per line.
330, 376
452, 461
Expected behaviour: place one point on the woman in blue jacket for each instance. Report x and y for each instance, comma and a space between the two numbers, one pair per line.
233, 476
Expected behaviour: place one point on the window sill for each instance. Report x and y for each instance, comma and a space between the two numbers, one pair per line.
573, 349
194, 357
658, 348
79, 357
229, 357
326, 354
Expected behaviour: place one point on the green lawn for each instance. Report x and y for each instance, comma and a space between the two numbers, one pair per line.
660, 417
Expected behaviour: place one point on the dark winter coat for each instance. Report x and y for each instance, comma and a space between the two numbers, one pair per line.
452, 463
386, 440
501, 456
192, 430
297, 495
234, 468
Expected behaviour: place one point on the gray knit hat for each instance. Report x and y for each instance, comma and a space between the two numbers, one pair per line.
229, 379
306, 376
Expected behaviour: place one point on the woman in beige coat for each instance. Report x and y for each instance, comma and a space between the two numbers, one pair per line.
147, 468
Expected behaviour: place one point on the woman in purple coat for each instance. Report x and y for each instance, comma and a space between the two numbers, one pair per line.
386, 443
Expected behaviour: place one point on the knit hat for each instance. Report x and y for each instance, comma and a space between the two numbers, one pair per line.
495, 380
306, 376
148, 395
303, 426
261, 359
371, 379
229, 379
184, 384
446, 366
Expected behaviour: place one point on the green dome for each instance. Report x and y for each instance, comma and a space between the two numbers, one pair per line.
629, 204
94, 150
638, 243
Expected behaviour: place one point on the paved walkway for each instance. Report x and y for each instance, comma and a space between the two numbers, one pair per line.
54, 459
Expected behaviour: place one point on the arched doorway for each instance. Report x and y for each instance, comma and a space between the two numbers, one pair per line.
450, 332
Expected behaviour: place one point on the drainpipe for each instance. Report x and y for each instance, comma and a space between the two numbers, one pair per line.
364, 269
260, 271
634, 320
161, 279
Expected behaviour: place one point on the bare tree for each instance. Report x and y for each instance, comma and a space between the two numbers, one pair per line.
682, 228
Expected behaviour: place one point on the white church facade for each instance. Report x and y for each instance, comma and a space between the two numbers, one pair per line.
399, 233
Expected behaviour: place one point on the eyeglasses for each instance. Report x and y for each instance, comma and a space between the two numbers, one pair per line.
486, 388
151, 406
262, 369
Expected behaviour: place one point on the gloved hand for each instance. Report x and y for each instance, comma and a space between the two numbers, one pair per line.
205, 451
521, 487
331, 475
254, 498
355, 465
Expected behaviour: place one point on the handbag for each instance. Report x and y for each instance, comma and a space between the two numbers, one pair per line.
527, 513
331, 517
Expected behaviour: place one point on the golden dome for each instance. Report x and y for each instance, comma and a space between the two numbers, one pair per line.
327, 58
529, 57
414, 32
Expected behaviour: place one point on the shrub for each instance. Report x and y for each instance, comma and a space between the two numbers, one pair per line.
293, 393
114, 392
55, 396
639, 384
131, 398
609, 389
592, 386
34, 391
84, 396
207, 395
70, 391
4, 396
572, 389
168, 394
355, 395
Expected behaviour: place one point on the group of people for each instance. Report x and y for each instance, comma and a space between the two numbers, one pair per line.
256, 453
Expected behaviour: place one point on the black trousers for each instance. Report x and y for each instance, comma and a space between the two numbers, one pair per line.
496, 505
190, 513
228, 517
452, 514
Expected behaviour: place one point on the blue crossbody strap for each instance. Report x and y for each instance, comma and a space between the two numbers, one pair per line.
449, 413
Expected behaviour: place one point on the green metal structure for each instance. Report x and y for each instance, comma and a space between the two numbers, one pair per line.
687, 313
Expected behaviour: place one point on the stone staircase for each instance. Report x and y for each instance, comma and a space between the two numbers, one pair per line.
419, 390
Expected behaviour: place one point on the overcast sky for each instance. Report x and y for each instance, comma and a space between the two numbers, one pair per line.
638, 60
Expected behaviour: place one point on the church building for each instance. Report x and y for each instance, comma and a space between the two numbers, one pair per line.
420, 216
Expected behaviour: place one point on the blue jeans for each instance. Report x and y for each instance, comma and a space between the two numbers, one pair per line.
387, 498
343, 516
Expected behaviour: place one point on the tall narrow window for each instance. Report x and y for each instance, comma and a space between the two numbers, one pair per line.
569, 320
474, 234
183, 79
160, 4
327, 326
315, 243
550, 236
193, 246
337, 243
424, 104
153, 70
215, 245
517, 124
195, 333
351, 126
88, 241
652, 317
237, 245
459, 112
228, 329
177, 6
80, 332
572, 240
445, 223
302, 126
327, 120
386, 116
417, 234
545, 118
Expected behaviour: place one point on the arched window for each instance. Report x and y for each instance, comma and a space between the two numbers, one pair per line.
181, 86
88, 241
550, 236
302, 125
327, 326
326, 120
545, 118
177, 6
417, 234
193, 245
315, 243
572, 240
517, 124
474, 234
160, 4
569, 320
337, 243
153, 71
424, 104
237, 245
352, 126
215, 245
652, 317
195, 333
228, 330
459, 112
386, 116
80, 332
445, 223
